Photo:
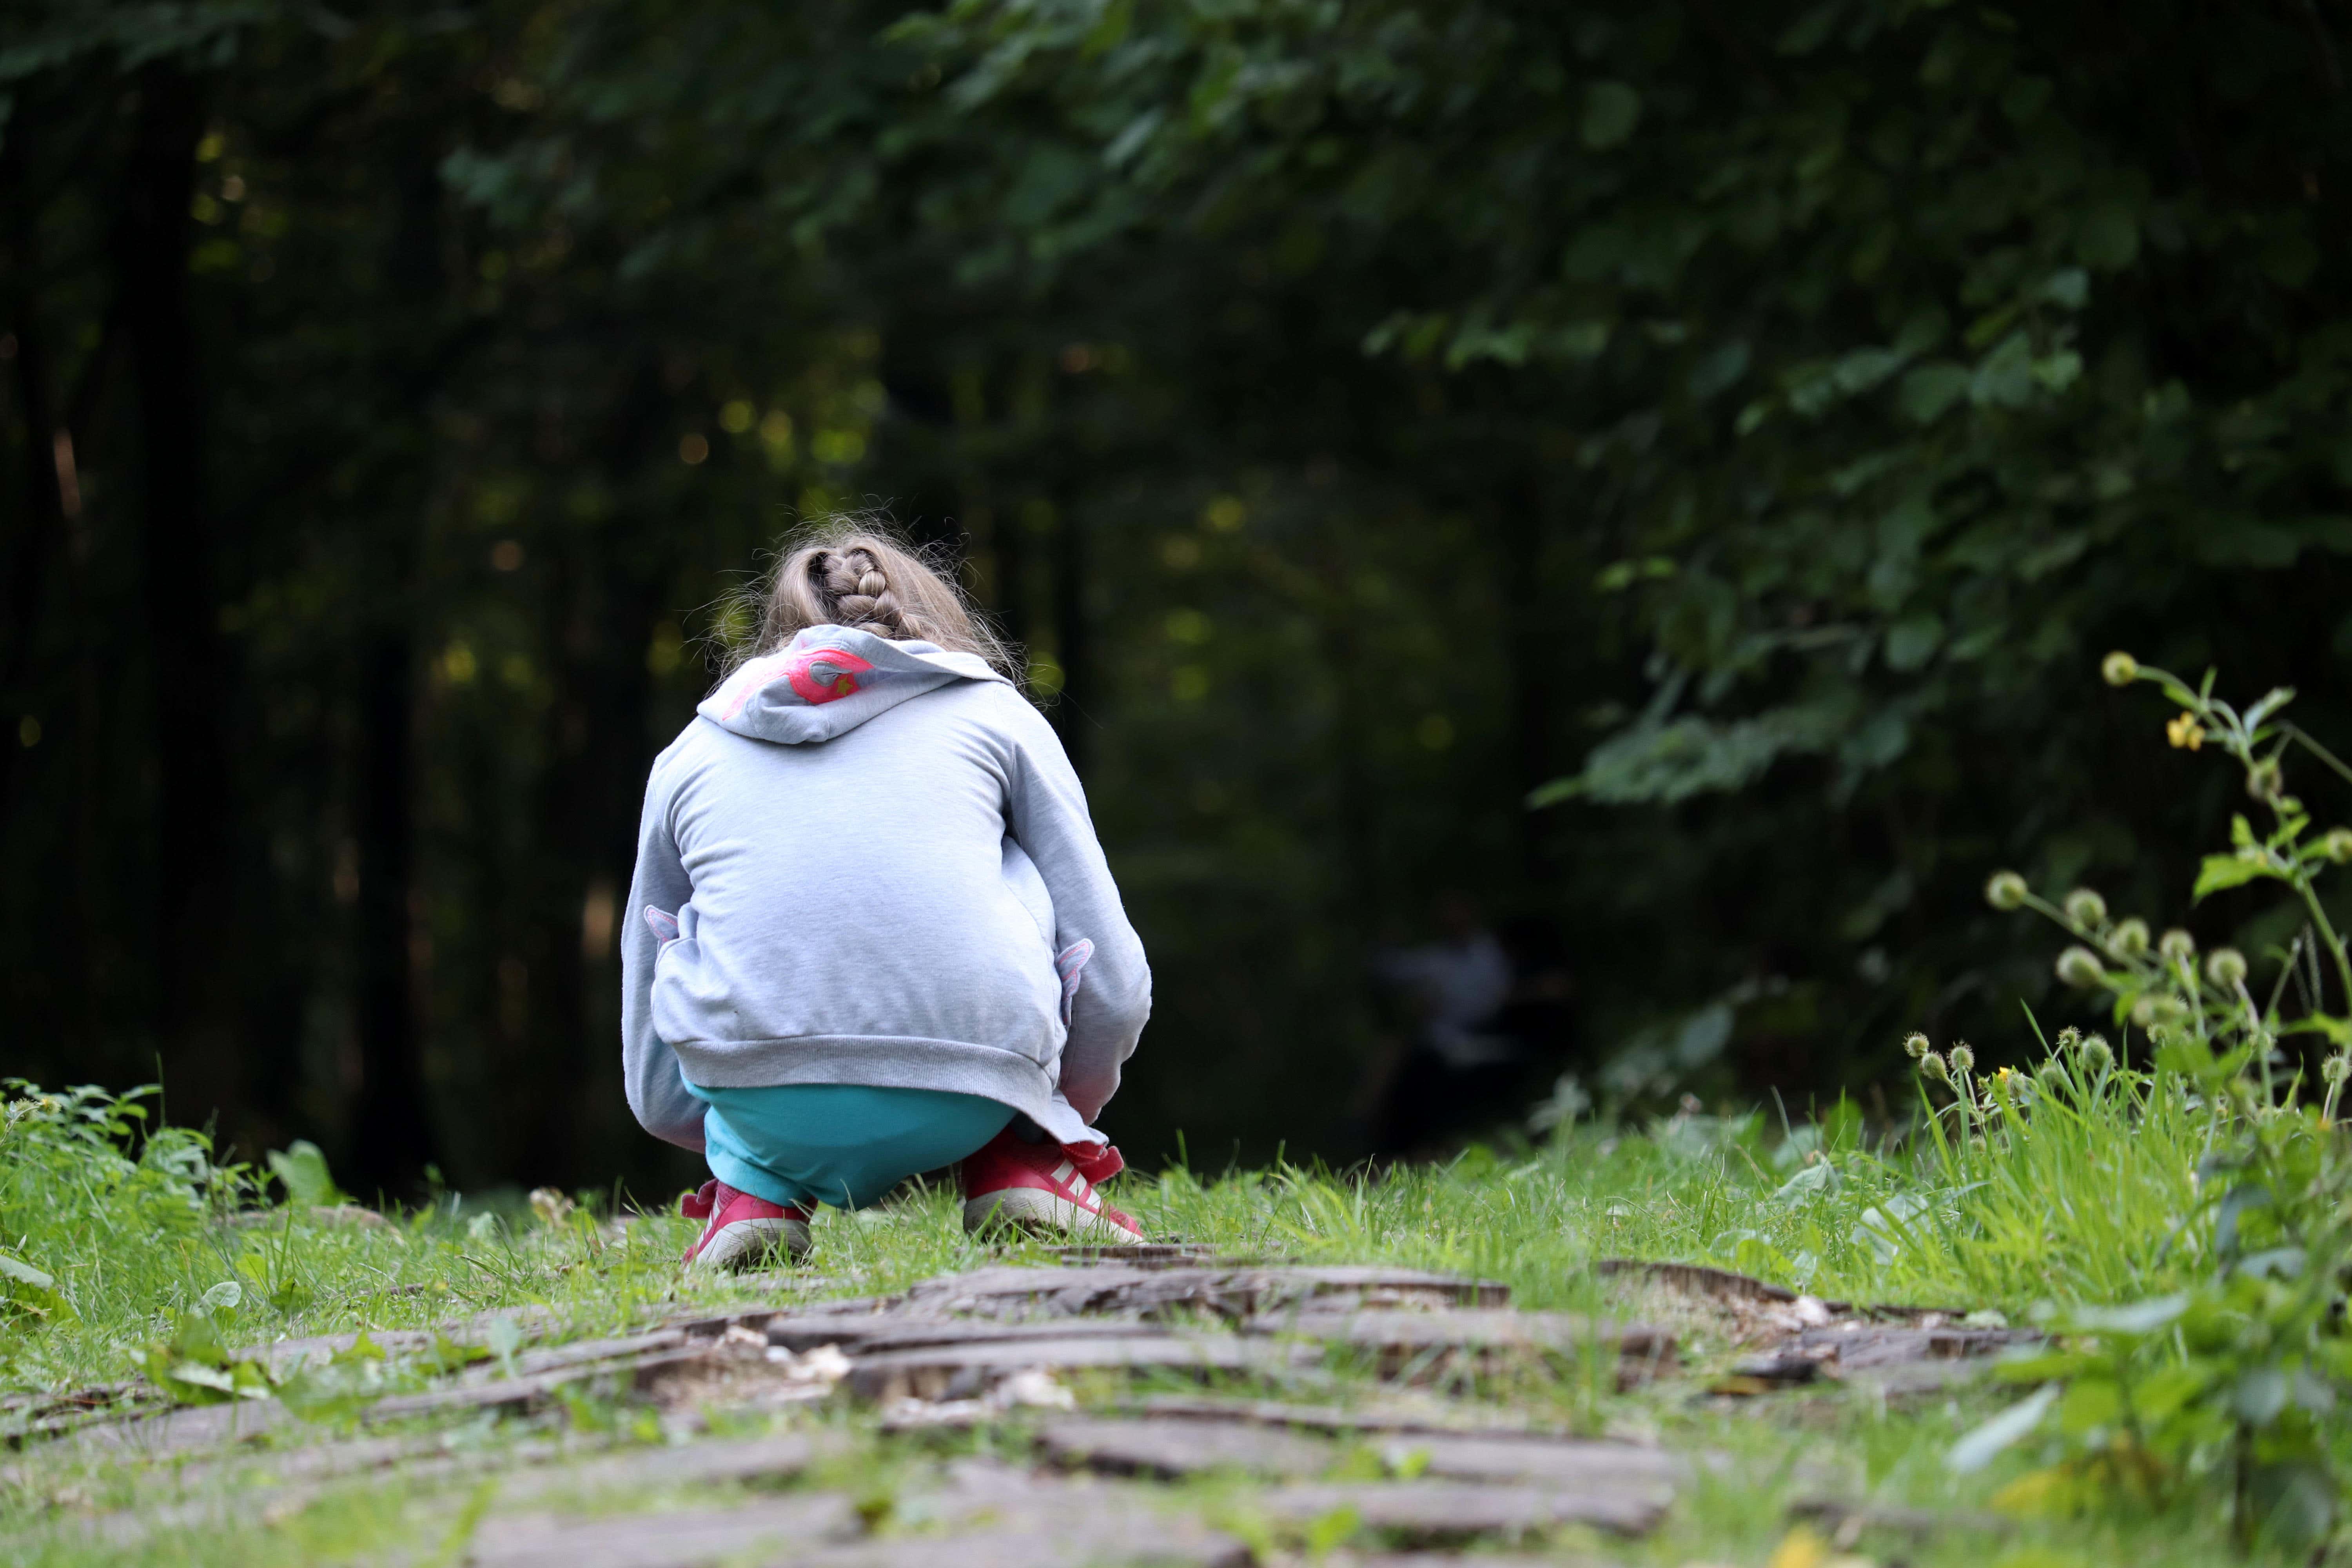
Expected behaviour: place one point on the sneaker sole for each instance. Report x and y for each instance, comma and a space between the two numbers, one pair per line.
748, 1243
1032, 1208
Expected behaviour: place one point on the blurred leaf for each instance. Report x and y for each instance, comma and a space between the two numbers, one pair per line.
1986, 1442
1611, 110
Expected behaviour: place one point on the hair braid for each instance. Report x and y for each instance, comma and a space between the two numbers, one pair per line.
853, 572
859, 589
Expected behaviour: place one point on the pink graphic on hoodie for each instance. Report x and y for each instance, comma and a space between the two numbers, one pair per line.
842, 671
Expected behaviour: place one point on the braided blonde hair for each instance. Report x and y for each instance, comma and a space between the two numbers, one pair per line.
857, 572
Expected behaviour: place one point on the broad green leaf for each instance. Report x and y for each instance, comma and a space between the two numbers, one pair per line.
1911, 643
25, 1273
2259, 1394
2107, 236
1929, 390
1611, 110
1810, 1182
2137, 1317
2089, 1402
302, 1168
2221, 872
197, 1373
1984, 1445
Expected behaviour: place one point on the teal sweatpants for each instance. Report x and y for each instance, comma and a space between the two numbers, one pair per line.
841, 1143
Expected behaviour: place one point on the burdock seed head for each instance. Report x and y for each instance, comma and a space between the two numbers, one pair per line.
1963, 1059
2177, 944
2226, 967
2336, 1069
2085, 907
2119, 668
2129, 939
1915, 1045
2069, 1038
1932, 1064
2005, 890
2080, 967
2097, 1054
2336, 844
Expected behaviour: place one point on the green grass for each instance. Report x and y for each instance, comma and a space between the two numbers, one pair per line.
2090, 1201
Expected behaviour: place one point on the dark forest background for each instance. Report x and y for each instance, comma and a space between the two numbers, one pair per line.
1742, 427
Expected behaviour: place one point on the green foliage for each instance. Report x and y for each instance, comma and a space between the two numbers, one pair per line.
2238, 1376
302, 1170
78, 1163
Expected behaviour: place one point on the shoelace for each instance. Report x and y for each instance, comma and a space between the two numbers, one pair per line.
1096, 1167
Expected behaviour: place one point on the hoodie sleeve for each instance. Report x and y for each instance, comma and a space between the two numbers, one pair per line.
1049, 820
656, 1088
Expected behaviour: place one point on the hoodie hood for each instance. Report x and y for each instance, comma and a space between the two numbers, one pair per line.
829, 679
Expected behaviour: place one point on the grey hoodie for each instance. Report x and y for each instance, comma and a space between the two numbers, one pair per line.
869, 862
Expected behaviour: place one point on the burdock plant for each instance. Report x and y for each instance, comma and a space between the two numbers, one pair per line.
2204, 1016
2255, 1363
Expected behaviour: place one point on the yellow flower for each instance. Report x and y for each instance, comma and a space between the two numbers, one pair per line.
2184, 732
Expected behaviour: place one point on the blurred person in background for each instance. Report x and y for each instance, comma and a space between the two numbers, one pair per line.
1460, 1068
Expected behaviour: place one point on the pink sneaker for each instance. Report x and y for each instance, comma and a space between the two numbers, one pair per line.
743, 1230
1043, 1186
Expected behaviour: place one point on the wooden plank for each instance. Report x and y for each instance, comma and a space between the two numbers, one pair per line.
640, 1369
583, 1352
642, 1469
1410, 1333
1856, 1347
1849, 1519
710, 1326
1016, 1520
1174, 1448
1896, 1360
1421, 1416
282, 1355
867, 1336
785, 1527
961, 1371
482, 1387
1430, 1512
1149, 1292
189, 1427
1566, 1463
1395, 1286
1722, 1285
1145, 1253
999, 1520
1698, 1280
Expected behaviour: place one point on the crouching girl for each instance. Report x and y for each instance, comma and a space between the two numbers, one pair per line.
872, 932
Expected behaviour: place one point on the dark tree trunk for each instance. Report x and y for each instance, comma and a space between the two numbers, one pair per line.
39, 532
1074, 639
189, 658
1008, 545
607, 597
1529, 647
392, 1137
392, 1140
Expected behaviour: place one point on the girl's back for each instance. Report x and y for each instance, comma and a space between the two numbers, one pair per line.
867, 887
